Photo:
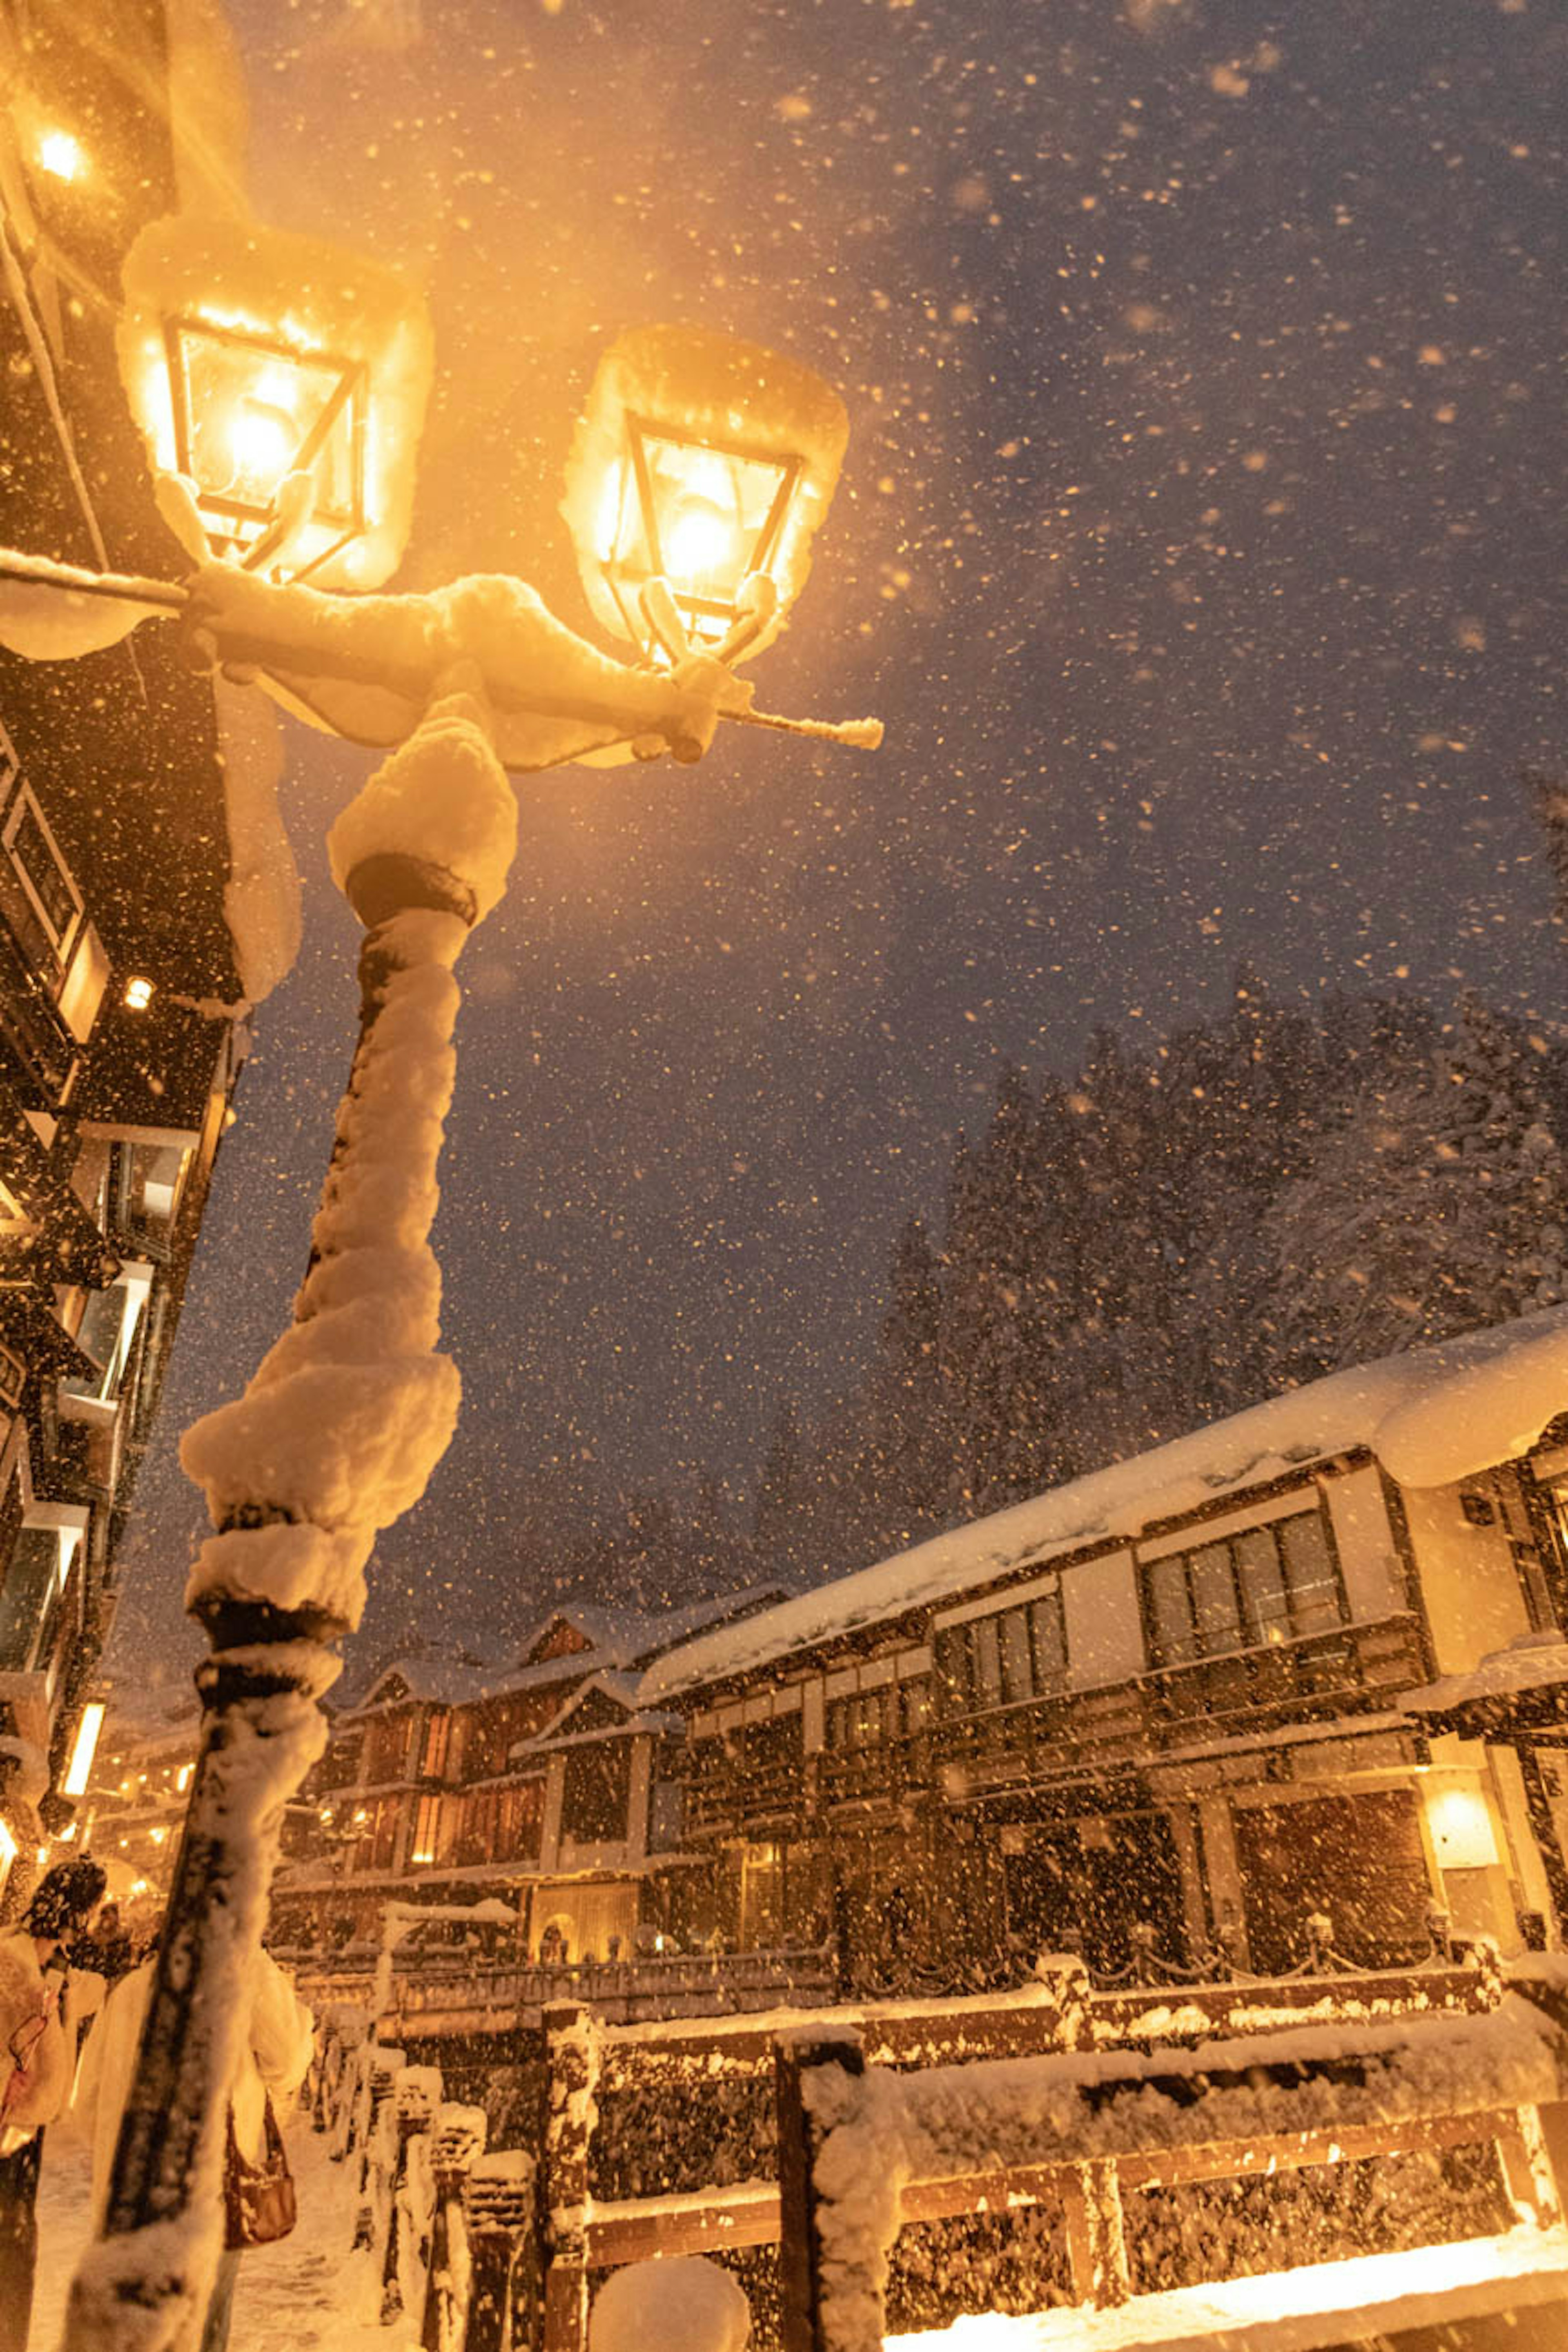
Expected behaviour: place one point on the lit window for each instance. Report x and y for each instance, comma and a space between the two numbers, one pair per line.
138, 994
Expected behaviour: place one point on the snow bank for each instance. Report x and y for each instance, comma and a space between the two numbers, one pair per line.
1431, 1417
684, 2305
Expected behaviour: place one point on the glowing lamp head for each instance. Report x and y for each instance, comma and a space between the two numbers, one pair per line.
706, 464
284, 381
59, 154
138, 994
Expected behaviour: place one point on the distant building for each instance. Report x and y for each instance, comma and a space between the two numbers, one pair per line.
1297, 1677
543, 1783
135, 1803
118, 1047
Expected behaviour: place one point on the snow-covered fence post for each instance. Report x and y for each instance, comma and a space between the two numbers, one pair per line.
377, 2145
799, 2136
415, 2097
457, 2139
502, 2200
572, 2046
335, 1438
1096, 2234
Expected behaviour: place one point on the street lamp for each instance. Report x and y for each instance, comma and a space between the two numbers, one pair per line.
702, 469
693, 504
289, 424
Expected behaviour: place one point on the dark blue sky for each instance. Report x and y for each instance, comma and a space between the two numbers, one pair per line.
1199, 542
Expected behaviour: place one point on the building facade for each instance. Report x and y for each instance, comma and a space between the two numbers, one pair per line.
543, 1784
119, 1041
1176, 1716
132, 1814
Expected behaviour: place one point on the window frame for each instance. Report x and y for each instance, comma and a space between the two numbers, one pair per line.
1250, 1627
23, 804
971, 1656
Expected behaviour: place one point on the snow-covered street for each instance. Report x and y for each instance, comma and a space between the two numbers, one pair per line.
309, 2294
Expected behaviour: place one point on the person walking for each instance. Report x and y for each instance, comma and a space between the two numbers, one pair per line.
38, 2058
273, 2063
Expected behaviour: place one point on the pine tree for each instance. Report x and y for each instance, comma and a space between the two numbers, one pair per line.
1436, 1206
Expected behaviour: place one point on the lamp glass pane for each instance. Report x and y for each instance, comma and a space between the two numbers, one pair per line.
711, 509
250, 410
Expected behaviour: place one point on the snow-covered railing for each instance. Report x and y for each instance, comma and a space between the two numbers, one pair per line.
658, 2139
436, 1996
865, 2150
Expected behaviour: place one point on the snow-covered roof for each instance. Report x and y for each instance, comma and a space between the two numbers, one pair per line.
1431, 1416
1536, 1662
625, 1637
447, 1682
618, 1639
622, 1691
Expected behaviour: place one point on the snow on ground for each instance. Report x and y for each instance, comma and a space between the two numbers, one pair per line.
1325, 2304
309, 2294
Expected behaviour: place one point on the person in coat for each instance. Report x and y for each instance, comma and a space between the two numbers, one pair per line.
38, 2058
275, 2058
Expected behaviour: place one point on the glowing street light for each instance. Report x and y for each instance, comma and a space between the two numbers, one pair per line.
59, 153
701, 471
88, 1730
283, 384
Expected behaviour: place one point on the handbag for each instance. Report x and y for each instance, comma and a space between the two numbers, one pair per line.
259, 2201
24, 2042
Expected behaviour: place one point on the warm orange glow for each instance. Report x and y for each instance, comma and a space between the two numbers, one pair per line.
701, 461
91, 1724
60, 155
137, 996
262, 440
703, 549
250, 356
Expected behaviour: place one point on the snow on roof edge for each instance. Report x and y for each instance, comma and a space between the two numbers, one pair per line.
1431, 1416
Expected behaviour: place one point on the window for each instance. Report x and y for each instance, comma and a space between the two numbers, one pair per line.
1000, 1659
41, 901
884, 1711
1264, 1585
595, 1800
437, 1734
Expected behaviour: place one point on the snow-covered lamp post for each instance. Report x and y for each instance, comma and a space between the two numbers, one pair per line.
261, 370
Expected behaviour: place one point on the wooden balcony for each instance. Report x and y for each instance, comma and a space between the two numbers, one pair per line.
884, 1770
746, 1794
1349, 1670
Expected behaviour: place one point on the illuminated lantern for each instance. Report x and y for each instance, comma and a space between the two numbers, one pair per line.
284, 381
701, 471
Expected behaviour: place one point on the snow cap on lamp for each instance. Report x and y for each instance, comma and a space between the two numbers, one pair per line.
300, 334
765, 436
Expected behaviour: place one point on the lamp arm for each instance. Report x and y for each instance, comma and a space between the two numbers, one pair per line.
399, 643
123, 587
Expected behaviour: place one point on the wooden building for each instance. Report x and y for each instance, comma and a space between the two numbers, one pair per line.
542, 1783
1163, 1714
120, 1041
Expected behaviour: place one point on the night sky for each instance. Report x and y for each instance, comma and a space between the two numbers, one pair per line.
1199, 542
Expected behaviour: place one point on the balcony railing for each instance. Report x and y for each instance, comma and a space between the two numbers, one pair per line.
439, 1993
1332, 1672
38, 1052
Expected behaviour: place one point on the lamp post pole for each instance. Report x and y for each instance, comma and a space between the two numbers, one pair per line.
291, 1530
349, 1412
